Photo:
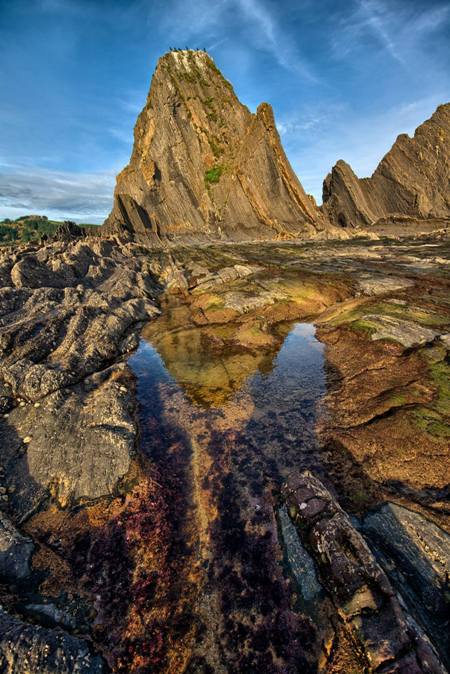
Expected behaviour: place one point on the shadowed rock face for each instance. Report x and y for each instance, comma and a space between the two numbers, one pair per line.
30, 648
411, 180
365, 601
204, 167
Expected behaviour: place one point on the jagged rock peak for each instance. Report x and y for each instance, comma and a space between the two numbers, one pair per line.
204, 167
411, 181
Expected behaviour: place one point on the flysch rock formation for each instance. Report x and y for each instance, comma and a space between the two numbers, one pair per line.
411, 181
204, 167
391, 641
96, 572
69, 311
30, 648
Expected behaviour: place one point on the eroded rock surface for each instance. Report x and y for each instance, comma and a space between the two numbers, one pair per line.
411, 180
416, 555
36, 650
67, 312
361, 591
204, 167
152, 498
15, 551
404, 332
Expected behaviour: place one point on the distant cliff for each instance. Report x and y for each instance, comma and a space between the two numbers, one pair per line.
413, 179
204, 167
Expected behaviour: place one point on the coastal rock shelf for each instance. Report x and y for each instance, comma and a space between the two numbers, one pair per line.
224, 414
155, 403
365, 601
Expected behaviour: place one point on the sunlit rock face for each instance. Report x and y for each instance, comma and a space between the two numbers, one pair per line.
412, 180
204, 167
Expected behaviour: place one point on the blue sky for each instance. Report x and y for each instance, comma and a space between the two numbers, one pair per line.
344, 78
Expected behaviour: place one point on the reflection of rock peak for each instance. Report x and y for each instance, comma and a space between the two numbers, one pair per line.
203, 166
208, 371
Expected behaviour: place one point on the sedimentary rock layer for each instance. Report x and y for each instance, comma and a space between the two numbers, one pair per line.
68, 312
365, 600
30, 648
203, 166
411, 181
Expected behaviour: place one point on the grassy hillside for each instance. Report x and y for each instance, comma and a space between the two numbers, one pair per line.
33, 228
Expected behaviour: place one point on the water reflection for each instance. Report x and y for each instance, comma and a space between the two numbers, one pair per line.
267, 399
210, 370
225, 430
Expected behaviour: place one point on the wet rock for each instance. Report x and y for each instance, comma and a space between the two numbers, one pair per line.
37, 650
359, 588
50, 615
312, 599
378, 285
302, 563
405, 332
6, 400
15, 552
415, 553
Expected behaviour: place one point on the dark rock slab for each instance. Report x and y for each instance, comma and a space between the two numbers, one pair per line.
360, 590
415, 553
312, 598
50, 615
15, 552
37, 650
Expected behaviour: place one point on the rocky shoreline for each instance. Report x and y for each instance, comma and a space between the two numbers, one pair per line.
88, 530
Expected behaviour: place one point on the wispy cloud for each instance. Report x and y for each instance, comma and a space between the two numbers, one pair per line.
78, 196
309, 118
271, 37
361, 141
342, 77
216, 21
398, 28
217, 43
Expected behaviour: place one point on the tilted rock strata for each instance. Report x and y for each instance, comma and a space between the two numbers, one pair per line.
203, 166
412, 179
15, 551
389, 638
416, 555
36, 650
68, 312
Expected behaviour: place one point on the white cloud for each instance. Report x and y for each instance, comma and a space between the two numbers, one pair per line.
85, 197
309, 119
211, 23
398, 28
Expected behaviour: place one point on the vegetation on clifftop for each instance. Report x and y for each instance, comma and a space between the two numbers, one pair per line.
33, 228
